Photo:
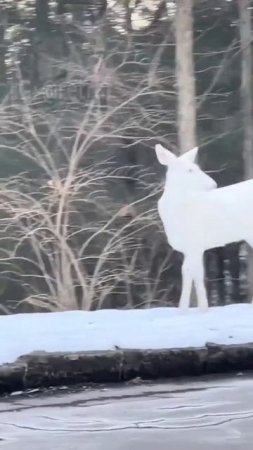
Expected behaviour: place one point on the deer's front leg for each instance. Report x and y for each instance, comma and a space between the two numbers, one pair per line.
198, 278
187, 279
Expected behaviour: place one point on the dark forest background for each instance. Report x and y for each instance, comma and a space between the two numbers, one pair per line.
86, 90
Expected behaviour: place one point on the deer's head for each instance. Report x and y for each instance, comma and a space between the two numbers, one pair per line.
182, 172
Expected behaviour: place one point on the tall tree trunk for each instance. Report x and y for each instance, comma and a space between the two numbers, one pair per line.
42, 15
3, 25
246, 91
186, 115
247, 104
185, 76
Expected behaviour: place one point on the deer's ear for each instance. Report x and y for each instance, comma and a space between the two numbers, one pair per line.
164, 156
190, 156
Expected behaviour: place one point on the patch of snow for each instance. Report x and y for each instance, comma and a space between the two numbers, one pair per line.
156, 328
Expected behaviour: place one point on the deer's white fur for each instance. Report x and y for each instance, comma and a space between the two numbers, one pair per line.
197, 216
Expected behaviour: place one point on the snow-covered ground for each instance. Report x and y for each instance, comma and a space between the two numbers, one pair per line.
140, 329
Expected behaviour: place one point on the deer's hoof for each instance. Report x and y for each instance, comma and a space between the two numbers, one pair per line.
203, 308
183, 309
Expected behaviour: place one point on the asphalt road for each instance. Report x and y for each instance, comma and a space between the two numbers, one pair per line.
186, 415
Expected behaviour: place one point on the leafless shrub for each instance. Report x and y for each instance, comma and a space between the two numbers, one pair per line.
73, 238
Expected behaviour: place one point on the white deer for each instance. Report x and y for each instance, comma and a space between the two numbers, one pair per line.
197, 216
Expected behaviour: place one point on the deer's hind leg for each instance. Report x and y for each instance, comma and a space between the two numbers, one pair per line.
193, 271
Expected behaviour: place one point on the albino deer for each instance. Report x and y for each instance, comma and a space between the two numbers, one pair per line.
197, 216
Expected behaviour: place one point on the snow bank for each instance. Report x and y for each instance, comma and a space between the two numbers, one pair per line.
157, 328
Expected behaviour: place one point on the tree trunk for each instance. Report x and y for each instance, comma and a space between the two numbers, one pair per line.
3, 25
185, 76
246, 104
246, 91
186, 114
42, 15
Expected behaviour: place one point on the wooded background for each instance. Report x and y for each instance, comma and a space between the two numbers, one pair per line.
87, 88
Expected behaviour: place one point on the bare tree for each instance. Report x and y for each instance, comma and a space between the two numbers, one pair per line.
186, 118
74, 241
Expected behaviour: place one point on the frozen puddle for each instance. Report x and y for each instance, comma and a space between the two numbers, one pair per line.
187, 415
